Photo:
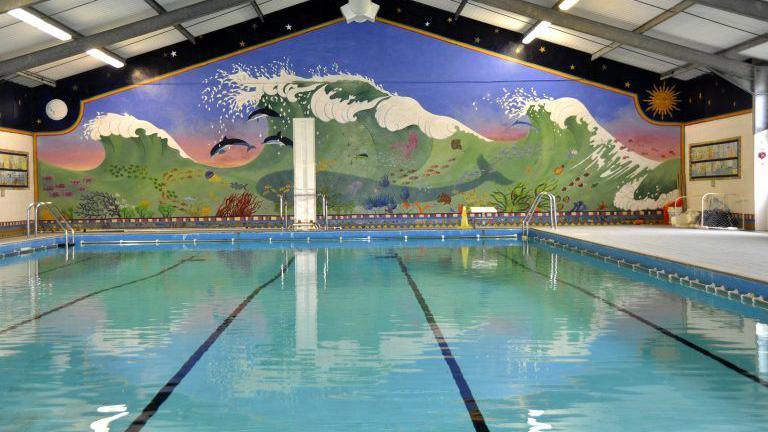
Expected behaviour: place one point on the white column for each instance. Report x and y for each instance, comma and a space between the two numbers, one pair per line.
304, 190
761, 331
760, 116
305, 275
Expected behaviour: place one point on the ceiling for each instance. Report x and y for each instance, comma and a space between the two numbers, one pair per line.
699, 27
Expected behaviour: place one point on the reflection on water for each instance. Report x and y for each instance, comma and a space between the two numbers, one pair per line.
305, 275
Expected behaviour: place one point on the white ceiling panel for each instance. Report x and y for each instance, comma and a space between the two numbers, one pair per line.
103, 15
614, 12
147, 43
698, 33
573, 39
642, 59
758, 52
68, 67
742, 22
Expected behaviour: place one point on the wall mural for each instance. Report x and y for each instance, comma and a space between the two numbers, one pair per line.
405, 123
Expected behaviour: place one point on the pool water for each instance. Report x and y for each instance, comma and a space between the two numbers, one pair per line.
382, 336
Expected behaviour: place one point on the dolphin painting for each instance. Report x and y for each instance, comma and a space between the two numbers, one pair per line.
278, 140
262, 112
223, 145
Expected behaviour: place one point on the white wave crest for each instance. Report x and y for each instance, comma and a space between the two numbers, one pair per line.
126, 126
321, 95
608, 151
625, 198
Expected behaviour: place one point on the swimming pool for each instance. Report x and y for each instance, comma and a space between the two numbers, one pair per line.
424, 335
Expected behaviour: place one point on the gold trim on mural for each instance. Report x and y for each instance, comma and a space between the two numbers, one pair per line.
719, 117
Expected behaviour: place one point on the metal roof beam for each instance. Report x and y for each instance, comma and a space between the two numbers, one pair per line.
732, 52
624, 37
256, 7
653, 22
750, 8
460, 9
115, 35
179, 28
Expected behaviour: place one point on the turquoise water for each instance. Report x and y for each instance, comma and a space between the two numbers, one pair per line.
347, 339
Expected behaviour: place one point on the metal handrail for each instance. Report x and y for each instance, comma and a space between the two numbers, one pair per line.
325, 209
58, 217
552, 211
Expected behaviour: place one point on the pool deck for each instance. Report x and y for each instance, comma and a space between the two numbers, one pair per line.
740, 253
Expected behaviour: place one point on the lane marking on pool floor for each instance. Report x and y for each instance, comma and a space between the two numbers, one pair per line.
705, 352
69, 264
478, 421
89, 295
165, 392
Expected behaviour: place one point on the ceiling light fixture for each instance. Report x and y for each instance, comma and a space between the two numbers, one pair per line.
535, 32
40, 24
567, 4
106, 58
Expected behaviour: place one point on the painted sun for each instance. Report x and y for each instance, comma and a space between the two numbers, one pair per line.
662, 100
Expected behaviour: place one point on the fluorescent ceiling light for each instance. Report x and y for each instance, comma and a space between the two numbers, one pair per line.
540, 28
106, 58
567, 4
34, 21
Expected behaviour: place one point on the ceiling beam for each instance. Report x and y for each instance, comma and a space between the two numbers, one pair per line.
179, 28
653, 22
6, 5
256, 7
115, 35
732, 52
459, 9
624, 37
751, 8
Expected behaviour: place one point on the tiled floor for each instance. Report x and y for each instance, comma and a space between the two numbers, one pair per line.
737, 252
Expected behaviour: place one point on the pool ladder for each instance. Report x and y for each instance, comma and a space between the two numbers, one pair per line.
552, 212
58, 217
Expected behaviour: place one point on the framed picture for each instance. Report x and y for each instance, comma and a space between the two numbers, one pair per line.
14, 169
715, 160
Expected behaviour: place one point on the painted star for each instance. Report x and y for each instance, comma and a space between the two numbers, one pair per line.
426, 24
495, 30
573, 67
38, 121
604, 67
399, 10
450, 19
627, 84
542, 49
75, 87
288, 27
173, 54
242, 44
477, 39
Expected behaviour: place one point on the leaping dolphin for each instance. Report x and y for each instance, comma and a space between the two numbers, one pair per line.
278, 140
223, 145
262, 112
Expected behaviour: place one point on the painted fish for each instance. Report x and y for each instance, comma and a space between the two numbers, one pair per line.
238, 186
278, 140
360, 156
224, 145
262, 112
559, 170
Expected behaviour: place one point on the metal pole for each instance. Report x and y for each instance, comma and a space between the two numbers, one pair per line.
29, 210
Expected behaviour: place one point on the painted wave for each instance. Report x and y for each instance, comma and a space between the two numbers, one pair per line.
127, 126
324, 95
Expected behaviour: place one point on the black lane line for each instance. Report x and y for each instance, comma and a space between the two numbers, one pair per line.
89, 295
73, 263
705, 352
165, 392
478, 421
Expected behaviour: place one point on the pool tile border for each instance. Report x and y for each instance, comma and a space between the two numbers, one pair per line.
733, 287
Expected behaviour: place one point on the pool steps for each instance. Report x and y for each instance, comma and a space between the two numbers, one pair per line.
746, 297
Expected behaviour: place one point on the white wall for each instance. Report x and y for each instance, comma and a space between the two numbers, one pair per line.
720, 129
13, 202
